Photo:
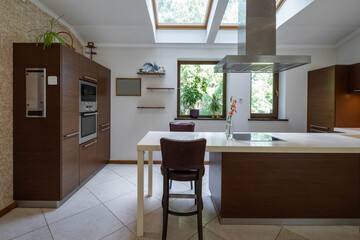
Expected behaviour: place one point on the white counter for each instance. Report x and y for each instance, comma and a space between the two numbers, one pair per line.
348, 130
293, 142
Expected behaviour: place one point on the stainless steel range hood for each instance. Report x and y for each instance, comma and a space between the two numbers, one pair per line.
257, 29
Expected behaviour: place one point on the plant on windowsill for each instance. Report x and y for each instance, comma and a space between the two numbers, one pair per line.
215, 105
192, 92
48, 36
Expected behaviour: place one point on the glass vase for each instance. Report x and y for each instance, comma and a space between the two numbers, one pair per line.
229, 128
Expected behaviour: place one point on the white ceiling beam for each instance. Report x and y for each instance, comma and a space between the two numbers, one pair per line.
150, 9
215, 17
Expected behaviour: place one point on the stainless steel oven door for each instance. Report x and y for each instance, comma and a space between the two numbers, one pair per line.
88, 126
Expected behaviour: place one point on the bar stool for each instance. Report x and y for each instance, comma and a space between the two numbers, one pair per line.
182, 161
182, 127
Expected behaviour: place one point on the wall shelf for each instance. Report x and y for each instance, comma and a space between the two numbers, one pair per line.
150, 107
160, 89
151, 74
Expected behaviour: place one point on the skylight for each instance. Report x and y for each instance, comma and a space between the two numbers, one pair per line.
230, 18
182, 13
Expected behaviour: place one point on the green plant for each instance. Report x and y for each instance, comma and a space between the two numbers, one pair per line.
193, 91
47, 36
215, 104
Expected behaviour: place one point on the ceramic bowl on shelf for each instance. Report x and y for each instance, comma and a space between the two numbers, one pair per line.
148, 67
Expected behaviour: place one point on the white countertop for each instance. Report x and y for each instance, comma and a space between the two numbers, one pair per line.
347, 130
293, 142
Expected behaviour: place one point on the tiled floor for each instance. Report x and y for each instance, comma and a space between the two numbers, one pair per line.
105, 208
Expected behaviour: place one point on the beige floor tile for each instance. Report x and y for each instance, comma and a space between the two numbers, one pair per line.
122, 234
123, 169
20, 221
95, 223
104, 175
40, 234
112, 189
157, 178
125, 208
207, 235
179, 228
288, 235
243, 232
80, 201
326, 232
188, 205
177, 187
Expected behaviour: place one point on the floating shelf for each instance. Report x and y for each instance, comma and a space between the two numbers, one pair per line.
151, 107
151, 74
160, 89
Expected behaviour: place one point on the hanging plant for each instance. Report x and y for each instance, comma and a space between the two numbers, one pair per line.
47, 36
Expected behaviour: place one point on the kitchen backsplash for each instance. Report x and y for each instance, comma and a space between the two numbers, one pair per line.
16, 19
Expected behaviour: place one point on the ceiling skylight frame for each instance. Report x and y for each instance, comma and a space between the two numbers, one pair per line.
230, 26
182, 25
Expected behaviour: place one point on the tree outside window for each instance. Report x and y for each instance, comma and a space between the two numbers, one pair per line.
264, 95
197, 79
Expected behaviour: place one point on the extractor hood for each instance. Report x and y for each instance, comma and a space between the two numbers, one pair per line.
257, 29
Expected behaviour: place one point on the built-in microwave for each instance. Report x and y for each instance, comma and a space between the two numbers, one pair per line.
88, 111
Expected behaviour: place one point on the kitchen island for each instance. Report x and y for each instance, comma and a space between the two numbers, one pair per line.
308, 178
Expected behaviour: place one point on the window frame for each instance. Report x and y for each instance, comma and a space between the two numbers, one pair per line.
274, 114
208, 117
181, 25
229, 26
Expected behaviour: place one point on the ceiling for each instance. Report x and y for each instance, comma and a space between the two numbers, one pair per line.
323, 22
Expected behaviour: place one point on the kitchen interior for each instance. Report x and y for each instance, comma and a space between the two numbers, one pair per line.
87, 102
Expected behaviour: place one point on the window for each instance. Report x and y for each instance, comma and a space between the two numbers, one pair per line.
231, 15
264, 95
193, 77
181, 13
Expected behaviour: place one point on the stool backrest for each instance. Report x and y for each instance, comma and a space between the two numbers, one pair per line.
183, 155
182, 127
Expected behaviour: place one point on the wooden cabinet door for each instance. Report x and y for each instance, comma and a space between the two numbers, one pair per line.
321, 100
354, 78
104, 146
88, 159
103, 96
69, 121
88, 69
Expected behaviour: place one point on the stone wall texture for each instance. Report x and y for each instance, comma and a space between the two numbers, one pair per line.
16, 20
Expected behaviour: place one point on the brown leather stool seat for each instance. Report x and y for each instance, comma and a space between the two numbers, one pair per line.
181, 175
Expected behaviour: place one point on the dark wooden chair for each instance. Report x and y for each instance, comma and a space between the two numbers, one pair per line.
182, 127
182, 161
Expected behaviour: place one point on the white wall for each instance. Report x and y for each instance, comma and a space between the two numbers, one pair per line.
129, 125
349, 52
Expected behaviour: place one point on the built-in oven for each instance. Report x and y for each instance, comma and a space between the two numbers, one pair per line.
88, 111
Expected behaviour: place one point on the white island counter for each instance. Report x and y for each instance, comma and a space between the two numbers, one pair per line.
305, 176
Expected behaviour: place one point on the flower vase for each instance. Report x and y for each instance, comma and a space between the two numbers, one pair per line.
229, 127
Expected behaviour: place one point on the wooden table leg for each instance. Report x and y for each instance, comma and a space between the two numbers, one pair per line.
140, 193
150, 173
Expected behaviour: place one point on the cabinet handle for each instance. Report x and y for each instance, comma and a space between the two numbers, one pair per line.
104, 125
357, 90
104, 129
88, 145
89, 114
71, 135
90, 78
319, 131
321, 127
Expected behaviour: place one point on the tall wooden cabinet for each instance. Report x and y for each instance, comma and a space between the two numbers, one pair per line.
49, 163
329, 103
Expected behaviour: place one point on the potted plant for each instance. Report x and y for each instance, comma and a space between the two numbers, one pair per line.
48, 36
192, 92
215, 105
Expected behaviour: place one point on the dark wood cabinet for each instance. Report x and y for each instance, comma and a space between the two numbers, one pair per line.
354, 78
88, 159
329, 104
49, 163
104, 106
87, 69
